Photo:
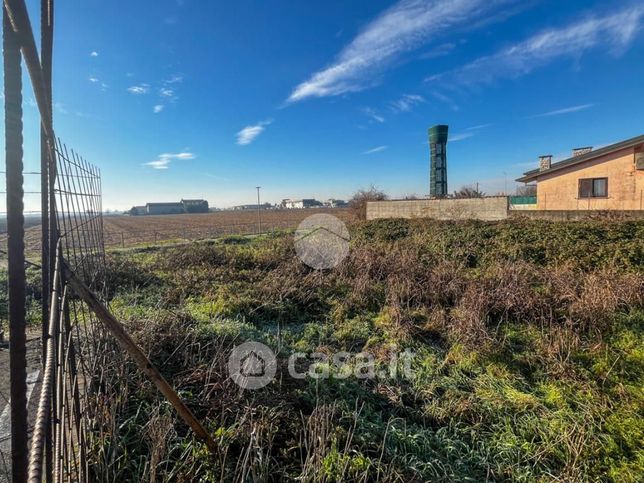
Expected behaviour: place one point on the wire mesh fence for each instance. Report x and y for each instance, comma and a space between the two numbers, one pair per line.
79, 214
76, 348
74, 405
80, 345
68, 397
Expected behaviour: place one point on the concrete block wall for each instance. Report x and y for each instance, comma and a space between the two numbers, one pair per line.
489, 209
523, 207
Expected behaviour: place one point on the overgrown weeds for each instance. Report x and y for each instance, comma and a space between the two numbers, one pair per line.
527, 339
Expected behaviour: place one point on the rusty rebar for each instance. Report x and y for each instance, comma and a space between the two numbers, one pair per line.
46, 49
18, 18
144, 364
11, 42
42, 425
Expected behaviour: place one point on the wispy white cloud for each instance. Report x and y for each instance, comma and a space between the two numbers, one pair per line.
165, 92
479, 126
375, 150
158, 108
164, 160
565, 110
183, 155
612, 32
407, 102
399, 29
446, 99
91, 78
373, 114
139, 89
460, 137
439, 51
250, 133
93, 54
60, 107
175, 79
158, 164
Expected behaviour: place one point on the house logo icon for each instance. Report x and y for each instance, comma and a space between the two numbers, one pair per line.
322, 241
252, 365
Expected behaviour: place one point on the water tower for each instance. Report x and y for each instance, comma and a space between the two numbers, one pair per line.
438, 161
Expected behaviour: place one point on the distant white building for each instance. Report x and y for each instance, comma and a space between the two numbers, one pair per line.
263, 206
333, 203
299, 204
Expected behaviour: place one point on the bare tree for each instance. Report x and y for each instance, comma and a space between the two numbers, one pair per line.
468, 191
358, 202
527, 190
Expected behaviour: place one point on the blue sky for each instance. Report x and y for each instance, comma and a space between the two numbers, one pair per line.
192, 98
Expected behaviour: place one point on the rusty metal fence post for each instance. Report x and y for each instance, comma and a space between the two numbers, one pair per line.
11, 43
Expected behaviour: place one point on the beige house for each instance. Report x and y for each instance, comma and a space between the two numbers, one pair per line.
610, 178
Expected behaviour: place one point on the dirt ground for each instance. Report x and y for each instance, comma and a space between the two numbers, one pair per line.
127, 230
208, 220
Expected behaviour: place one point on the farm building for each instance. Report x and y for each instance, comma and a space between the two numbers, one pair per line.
299, 204
263, 206
195, 206
610, 178
171, 208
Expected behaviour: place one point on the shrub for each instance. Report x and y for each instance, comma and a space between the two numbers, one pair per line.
358, 202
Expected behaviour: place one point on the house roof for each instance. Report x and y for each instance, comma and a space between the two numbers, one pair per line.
535, 173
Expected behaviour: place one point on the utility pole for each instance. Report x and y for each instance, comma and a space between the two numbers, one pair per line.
259, 213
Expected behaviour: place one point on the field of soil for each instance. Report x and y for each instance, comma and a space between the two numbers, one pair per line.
123, 231
210, 221
129, 230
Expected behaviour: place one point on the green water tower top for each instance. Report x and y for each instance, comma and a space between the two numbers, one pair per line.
438, 161
438, 133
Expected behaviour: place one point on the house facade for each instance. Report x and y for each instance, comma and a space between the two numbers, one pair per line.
610, 178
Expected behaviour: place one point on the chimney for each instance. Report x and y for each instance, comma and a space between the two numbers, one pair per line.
545, 162
580, 151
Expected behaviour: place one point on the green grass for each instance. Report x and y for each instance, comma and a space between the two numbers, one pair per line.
528, 341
